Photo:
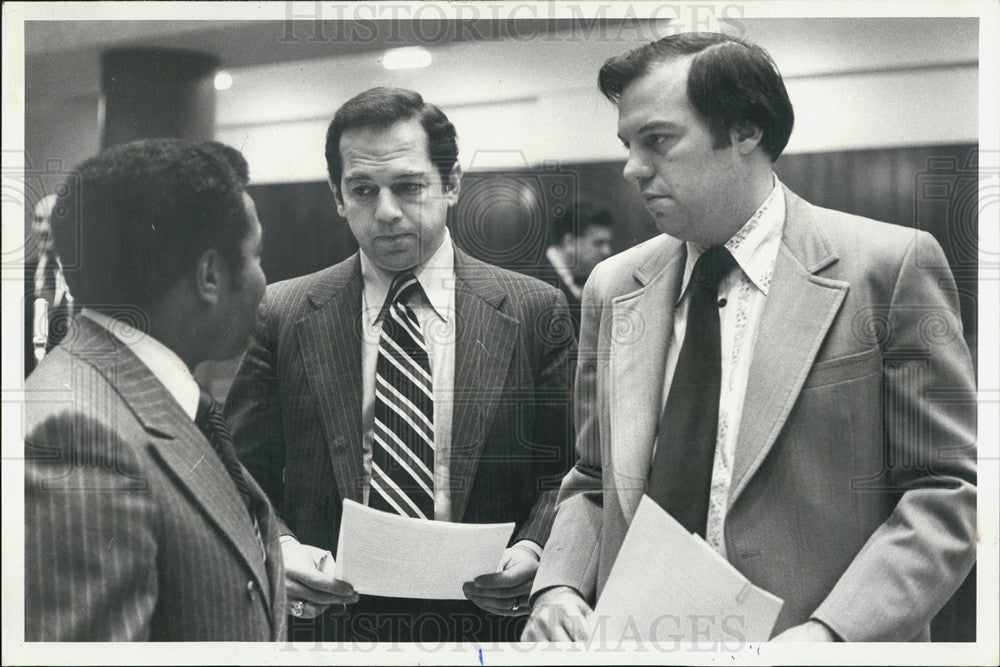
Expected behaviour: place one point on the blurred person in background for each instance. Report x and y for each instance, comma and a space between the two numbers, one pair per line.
582, 238
53, 303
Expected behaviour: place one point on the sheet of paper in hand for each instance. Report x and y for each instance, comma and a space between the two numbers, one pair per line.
394, 556
669, 585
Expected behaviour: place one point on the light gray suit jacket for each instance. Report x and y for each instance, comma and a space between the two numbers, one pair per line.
853, 494
133, 528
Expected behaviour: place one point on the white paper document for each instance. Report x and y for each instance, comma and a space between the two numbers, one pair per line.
669, 585
394, 556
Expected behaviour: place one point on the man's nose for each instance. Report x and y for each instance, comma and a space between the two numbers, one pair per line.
387, 209
636, 168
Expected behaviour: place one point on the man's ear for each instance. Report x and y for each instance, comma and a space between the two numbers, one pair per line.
337, 198
453, 185
745, 137
209, 274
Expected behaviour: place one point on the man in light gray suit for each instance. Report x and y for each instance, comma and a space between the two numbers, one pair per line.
410, 377
789, 382
140, 524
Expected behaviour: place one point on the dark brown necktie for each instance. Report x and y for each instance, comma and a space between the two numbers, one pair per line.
681, 473
214, 425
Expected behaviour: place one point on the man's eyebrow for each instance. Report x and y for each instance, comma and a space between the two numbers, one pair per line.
658, 125
363, 176
653, 125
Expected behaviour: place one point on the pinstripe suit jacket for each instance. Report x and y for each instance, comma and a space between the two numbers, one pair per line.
133, 528
296, 402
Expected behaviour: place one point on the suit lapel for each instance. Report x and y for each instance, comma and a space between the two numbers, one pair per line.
330, 339
269, 534
174, 439
798, 312
190, 458
484, 343
641, 328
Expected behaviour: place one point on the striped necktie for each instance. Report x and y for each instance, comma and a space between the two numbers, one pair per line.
402, 481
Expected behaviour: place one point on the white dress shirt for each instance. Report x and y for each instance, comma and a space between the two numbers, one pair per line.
561, 266
161, 361
755, 249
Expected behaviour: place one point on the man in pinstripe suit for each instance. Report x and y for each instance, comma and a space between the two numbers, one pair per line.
139, 523
313, 404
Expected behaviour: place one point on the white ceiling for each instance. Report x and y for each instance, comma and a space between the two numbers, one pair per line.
62, 58
511, 87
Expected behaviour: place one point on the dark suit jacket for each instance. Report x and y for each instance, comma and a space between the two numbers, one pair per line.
853, 494
133, 528
296, 402
545, 272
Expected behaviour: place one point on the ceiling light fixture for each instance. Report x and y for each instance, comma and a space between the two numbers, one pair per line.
407, 57
223, 80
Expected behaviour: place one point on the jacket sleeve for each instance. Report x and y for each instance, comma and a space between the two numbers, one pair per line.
918, 557
253, 408
90, 545
571, 553
552, 397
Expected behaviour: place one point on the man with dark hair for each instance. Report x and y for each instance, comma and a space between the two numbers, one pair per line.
411, 378
581, 238
783, 400
234, 158
140, 523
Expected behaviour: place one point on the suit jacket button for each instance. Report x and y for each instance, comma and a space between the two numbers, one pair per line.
251, 589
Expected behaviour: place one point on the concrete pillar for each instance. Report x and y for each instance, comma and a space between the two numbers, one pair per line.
151, 92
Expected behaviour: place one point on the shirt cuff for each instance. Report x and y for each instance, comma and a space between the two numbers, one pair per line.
531, 546
836, 636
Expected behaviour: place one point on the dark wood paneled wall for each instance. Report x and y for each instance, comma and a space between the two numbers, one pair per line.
503, 217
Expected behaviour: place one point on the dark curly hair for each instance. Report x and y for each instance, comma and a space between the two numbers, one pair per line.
578, 218
383, 107
731, 83
234, 158
134, 219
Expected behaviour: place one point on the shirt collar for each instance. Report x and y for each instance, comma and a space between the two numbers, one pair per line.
161, 361
436, 277
558, 262
754, 246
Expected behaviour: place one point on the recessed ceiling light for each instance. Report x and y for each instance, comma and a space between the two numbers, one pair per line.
223, 80
408, 57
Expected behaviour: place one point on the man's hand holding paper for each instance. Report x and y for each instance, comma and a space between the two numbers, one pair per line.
506, 591
309, 579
